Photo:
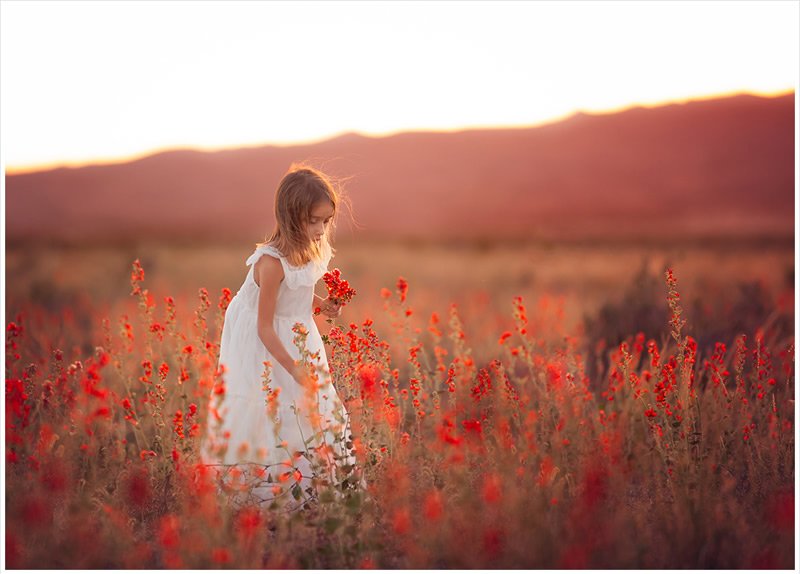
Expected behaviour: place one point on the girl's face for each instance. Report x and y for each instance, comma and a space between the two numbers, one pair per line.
318, 220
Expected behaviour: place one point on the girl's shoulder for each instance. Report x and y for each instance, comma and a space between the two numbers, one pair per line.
265, 249
305, 275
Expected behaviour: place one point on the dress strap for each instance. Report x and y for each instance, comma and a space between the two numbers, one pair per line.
264, 250
304, 276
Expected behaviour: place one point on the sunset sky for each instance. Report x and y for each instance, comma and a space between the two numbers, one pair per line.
98, 81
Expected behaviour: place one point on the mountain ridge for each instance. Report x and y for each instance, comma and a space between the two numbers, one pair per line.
706, 167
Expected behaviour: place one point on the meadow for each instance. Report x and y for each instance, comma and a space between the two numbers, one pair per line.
607, 405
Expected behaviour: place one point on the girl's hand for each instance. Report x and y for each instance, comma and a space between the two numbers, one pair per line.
301, 376
331, 309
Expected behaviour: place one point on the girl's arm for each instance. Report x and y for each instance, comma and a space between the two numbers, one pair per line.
268, 273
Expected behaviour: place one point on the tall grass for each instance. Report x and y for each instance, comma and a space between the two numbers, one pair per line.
469, 455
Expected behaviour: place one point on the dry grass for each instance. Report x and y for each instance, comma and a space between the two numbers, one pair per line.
488, 446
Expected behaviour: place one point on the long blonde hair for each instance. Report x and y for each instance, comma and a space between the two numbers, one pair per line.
300, 189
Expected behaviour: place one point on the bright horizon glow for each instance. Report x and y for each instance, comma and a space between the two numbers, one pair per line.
89, 82
20, 169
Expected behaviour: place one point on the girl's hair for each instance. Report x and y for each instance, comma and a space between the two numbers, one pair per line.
300, 189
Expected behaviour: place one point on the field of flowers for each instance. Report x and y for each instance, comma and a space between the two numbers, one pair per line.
530, 447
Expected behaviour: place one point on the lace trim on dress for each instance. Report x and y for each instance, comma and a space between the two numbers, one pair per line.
295, 277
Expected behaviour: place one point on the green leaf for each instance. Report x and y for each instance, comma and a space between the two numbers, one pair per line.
331, 524
297, 492
353, 503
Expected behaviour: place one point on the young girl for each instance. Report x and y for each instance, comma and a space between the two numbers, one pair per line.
287, 421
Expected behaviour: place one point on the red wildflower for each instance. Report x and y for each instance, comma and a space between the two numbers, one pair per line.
474, 426
221, 555
13, 551
595, 483
339, 290
137, 276
491, 489
493, 541
177, 422
225, 299
433, 505
780, 511
248, 522
401, 521
138, 490
169, 531
368, 377
126, 404
34, 512
402, 288
546, 472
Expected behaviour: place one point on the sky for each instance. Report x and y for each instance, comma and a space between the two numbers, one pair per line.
88, 82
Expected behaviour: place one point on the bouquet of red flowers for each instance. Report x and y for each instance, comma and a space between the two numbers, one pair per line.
339, 290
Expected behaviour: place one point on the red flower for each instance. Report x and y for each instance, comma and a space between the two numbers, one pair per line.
595, 484
169, 531
402, 287
493, 541
225, 299
221, 555
34, 512
780, 511
433, 505
138, 490
472, 426
368, 377
339, 290
491, 489
401, 521
248, 522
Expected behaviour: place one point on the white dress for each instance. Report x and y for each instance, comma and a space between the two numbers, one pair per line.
276, 451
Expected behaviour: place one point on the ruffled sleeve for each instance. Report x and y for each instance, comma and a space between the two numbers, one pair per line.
296, 277
263, 250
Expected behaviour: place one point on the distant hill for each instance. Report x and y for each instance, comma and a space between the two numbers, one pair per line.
706, 168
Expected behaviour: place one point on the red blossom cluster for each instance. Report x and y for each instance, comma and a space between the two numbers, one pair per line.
339, 290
